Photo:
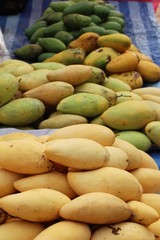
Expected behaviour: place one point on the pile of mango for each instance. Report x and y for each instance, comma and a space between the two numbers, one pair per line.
106, 88
81, 180
64, 21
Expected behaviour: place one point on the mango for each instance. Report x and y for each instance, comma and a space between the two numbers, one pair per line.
134, 155
82, 7
69, 56
117, 19
125, 62
154, 228
148, 90
115, 12
75, 21
116, 84
60, 6
152, 130
83, 104
151, 97
33, 79
50, 44
101, 11
123, 230
110, 24
50, 93
53, 180
121, 118
65, 36
8, 87
47, 65
97, 89
100, 57
152, 200
52, 17
52, 29
119, 42
149, 179
94, 28
115, 181
15, 229
137, 138
142, 213
62, 120
76, 74
149, 71
148, 161
43, 56
37, 34
21, 112
66, 229
132, 78
86, 41
29, 52
31, 29
111, 209
126, 95
67, 153
103, 135
34, 200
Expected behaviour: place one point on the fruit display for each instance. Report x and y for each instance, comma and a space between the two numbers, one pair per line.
62, 22
73, 183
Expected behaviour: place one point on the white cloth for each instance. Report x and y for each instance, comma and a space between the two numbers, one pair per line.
4, 54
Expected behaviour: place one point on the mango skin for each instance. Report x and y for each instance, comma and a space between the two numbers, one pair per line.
83, 104
8, 87
129, 115
118, 41
21, 112
152, 130
138, 139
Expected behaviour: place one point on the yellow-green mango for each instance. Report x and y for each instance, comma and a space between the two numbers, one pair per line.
152, 130
136, 138
47, 65
116, 84
132, 78
8, 87
118, 41
68, 56
21, 112
83, 104
100, 57
94, 88
62, 120
129, 115
127, 95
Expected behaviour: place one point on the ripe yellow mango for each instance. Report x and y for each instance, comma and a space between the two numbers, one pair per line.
149, 71
66, 230
17, 135
123, 231
118, 41
147, 161
125, 62
53, 180
142, 213
86, 41
152, 130
24, 157
122, 117
126, 95
68, 152
149, 178
101, 134
134, 156
152, 200
100, 208
20, 229
118, 182
132, 78
7, 179
35, 205
50, 93
155, 229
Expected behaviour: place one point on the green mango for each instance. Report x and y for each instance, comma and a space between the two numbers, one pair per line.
43, 56
53, 17
111, 25
136, 138
64, 36
83, 104
8, 87
129, 115
50, 44
152, 130
76, 21
82, 7
52, 29
21, 112
37, 34
101, 11
31, 29
60, 6
95, 19
29, 52
115, 13
119, 20
97, 29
